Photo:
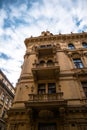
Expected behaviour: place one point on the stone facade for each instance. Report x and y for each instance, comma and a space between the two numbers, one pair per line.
7, 92
51, 93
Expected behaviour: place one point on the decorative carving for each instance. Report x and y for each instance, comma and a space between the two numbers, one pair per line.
74, 54
58, 46
85, 54
59, 88
47, 36
47, 33
30, 113
46, 97
32, 88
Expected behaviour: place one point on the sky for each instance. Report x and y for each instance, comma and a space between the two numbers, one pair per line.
20, 19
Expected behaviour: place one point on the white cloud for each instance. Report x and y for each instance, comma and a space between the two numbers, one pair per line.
30, 19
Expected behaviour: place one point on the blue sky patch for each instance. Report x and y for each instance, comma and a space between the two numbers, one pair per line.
4, 56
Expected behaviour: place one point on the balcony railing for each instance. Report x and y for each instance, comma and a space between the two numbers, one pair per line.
45, 65
46, 97
44, 50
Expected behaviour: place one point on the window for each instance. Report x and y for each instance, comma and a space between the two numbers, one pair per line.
41, 89
45, 46
49, 45
2, 97
84, 44
49, 63
7, 101
46, 88
51, 88
84, 85
78, 63
42, 46
42, 62
71, 46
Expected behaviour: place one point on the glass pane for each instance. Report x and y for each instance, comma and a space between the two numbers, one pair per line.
51, 88
41, 88
71, 46
84, 44
78, 63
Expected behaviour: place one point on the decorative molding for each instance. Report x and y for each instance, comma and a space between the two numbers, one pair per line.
74, 53
64, 37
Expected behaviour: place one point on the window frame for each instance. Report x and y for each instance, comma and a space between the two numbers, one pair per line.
84, 86
51, 89
41, 90
78, 63
46, 89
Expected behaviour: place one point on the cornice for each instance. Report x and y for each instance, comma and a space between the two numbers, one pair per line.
72, 36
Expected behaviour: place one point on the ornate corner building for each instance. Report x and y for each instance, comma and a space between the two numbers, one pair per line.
51, 93
7, 92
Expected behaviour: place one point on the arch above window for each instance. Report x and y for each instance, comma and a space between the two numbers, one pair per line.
76, 55
84, 44
71, 46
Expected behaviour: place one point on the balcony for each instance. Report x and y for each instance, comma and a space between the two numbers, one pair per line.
46, 101
45, 97
45, 71
45, 50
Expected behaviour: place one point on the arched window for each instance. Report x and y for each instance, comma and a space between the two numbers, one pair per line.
71, 46
49, 62
84, 44
42, 62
